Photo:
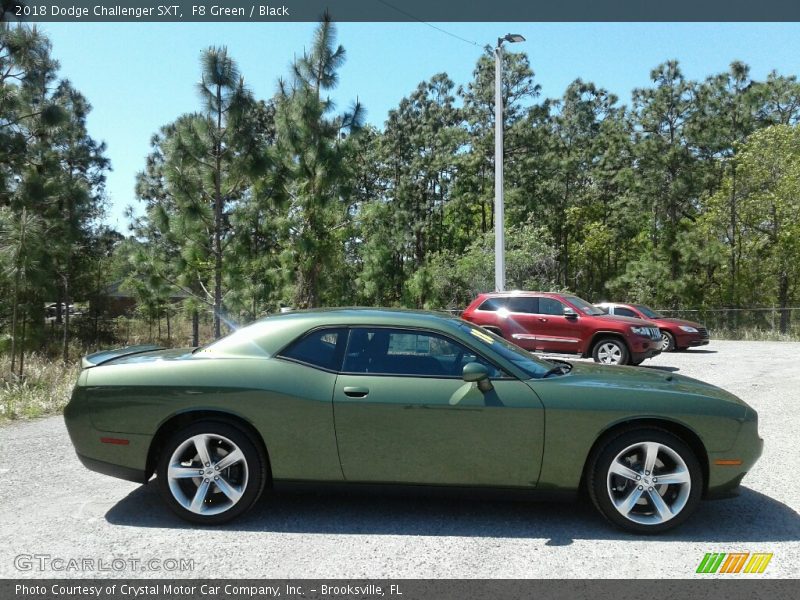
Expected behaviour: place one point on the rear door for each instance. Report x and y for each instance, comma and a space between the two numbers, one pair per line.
403, 414
521, 323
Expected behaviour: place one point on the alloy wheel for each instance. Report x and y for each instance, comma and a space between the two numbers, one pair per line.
207, 474
609, 353
648, 483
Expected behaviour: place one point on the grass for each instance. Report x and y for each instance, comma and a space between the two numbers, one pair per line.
753, 334
44, 390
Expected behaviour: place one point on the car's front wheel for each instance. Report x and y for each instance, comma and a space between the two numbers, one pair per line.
667, 341
211, 472
645, 481
610, 351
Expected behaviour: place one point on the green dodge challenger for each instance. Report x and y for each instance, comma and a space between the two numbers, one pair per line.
374, 396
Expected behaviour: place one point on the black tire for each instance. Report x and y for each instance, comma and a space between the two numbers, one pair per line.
603, 344
245, 479
636, 363
644, 516
667, 341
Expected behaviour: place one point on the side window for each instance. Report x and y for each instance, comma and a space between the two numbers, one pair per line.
624, 312
492, 304
408, 352
523, 304
550, 306
321, 348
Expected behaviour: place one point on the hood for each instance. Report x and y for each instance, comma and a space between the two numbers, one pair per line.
680, 322
591, 374
628, 320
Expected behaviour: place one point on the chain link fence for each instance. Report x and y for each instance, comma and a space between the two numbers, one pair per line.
735, 323
744, 323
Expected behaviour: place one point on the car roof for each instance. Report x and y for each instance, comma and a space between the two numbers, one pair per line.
270, 334
513, 293
361, 315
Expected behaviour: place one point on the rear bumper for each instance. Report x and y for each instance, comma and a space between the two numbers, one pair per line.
112, 470
100, 453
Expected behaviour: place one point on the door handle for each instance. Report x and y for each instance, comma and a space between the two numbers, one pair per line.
543, 320
356, 392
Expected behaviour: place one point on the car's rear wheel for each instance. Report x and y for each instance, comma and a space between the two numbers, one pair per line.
610, 351
645, 481
667, 341
211, 472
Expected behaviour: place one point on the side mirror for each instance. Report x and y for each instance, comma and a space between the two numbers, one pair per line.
569, 313
478, 373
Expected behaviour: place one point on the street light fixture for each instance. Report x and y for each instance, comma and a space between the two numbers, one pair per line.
499, 209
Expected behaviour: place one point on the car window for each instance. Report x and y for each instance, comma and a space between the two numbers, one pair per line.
524, 304
550, 306
322, 348
532, 366
492, 304
584, 306
649, 312
386, 351
624, 312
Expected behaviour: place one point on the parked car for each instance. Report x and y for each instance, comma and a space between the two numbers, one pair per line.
676, 334
563, 323
355, 397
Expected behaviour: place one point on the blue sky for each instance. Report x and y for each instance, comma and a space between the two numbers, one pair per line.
141, 76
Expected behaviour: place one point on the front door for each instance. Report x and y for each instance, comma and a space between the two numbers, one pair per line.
556, 332
403, 414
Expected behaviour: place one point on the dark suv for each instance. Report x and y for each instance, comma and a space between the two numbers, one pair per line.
564, 323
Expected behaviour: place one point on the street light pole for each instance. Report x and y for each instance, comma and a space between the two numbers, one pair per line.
499, 207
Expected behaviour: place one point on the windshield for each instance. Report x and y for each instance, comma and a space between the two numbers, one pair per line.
584, 306
648, 312
524, 360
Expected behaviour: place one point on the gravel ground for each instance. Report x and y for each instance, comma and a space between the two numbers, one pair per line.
50, 504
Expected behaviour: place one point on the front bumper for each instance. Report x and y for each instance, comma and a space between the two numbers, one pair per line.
724, 480
642, 349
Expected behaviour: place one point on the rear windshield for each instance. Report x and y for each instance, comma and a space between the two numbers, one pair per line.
648, 312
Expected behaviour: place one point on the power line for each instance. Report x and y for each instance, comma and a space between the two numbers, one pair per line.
431, 25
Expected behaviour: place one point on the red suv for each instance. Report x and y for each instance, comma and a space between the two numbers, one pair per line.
566, 324
675, 333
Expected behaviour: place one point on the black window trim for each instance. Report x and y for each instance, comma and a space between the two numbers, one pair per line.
279, 354
506, 375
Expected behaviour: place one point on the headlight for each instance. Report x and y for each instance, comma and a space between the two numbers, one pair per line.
688, 329
643, 331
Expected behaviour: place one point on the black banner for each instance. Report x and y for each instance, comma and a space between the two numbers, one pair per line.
401, 10
710, 588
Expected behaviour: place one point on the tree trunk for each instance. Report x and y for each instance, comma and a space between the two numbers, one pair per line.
17, 277
22, 347
783, 300
195, 328
65, 340
218, 221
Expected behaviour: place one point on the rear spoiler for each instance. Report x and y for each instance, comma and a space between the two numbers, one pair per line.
104, 356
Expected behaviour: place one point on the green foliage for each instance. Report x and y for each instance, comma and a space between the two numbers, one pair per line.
687, 197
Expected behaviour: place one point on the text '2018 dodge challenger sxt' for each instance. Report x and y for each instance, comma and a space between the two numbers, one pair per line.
372, 396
